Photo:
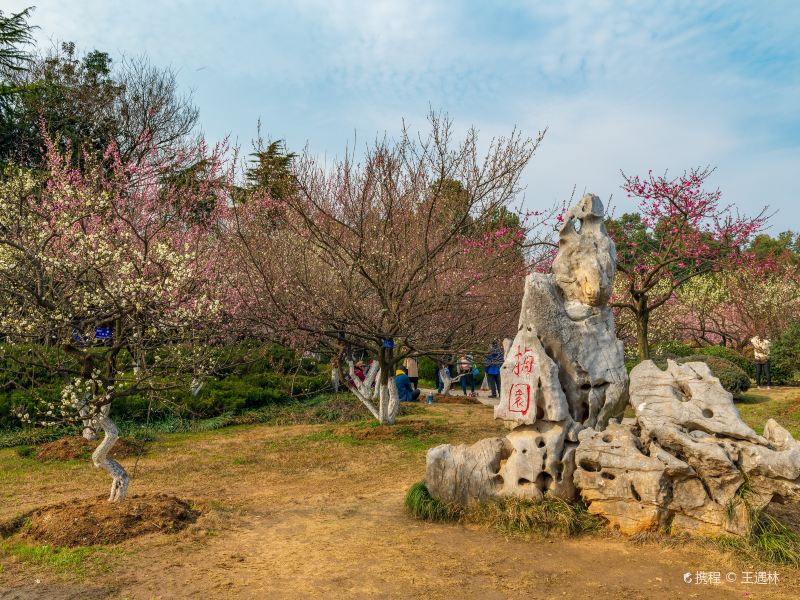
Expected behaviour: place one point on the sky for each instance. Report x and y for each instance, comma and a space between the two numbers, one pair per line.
628, 86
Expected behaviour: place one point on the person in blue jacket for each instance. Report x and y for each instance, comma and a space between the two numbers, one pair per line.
405, 390
494, 360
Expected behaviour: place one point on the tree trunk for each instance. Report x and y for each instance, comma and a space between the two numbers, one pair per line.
335, 378
447, 380
85, 411
101, 460
363, 389
389, 403
642, 321
388, 398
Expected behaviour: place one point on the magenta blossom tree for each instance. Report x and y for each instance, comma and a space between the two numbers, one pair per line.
680, 232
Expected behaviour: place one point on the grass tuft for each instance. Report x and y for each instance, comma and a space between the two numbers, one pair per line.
769, 541
545, 517
517, 516
427, 508
81, 561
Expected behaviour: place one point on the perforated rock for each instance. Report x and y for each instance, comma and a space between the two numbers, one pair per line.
563, 372
687, 462
460, 474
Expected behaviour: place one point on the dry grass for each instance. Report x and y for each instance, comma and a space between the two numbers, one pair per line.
316, 510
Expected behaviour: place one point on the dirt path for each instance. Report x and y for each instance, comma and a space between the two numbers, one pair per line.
316, 511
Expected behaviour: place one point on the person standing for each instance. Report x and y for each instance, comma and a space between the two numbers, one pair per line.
494, 360
412, 367
465, 366
761, 347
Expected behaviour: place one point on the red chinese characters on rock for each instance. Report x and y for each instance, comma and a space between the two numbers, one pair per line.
525, 361
519, 398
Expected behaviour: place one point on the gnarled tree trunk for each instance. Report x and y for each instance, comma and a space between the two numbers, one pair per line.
101, 460
447, 380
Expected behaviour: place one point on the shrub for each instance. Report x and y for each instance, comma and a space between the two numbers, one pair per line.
785, 355
231, 395
14, 399
730, 376
250, 375
427, 368
672, 349
731, 355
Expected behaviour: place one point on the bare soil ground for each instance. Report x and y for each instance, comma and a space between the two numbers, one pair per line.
317, 511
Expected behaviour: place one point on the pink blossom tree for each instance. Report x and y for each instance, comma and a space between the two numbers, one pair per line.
680, 232
108, 277
408, 252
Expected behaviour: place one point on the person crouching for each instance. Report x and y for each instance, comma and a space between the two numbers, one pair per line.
405, 390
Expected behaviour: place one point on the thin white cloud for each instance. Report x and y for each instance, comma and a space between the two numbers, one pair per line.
632, 85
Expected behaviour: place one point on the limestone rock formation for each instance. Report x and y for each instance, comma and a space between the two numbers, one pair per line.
564, 371
687, 462
458, 474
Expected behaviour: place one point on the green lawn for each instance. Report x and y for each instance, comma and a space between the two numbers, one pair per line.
779, 403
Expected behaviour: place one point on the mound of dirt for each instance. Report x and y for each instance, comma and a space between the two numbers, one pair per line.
71, 447
96, 521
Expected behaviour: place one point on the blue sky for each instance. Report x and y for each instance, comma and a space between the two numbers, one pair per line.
620, 85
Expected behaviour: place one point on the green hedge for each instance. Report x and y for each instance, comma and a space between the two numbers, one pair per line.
427, 368
672, 349
232, 394
249, 375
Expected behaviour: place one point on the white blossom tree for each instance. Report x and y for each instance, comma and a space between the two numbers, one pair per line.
107, 277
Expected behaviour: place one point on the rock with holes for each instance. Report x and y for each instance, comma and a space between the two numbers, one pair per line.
586, 262
530, 388
563, 372
566, 357
542, 460
461, 474
687, 462
565, 369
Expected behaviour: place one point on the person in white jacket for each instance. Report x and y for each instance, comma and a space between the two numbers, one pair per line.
761, 346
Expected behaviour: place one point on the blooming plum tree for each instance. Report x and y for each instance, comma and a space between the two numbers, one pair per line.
680, 232
107, 277
408, 252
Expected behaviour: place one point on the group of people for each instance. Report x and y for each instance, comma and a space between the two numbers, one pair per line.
467, 371
464, 369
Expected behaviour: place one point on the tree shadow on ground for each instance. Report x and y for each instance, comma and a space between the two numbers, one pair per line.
751, 399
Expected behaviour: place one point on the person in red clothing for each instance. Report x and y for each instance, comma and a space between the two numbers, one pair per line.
359, 370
